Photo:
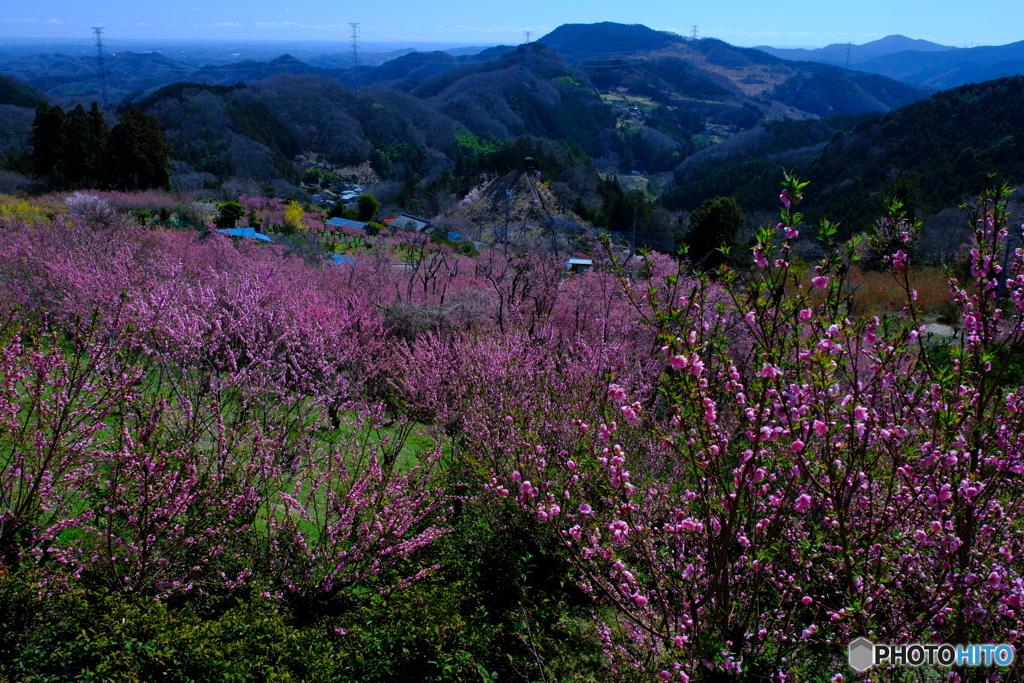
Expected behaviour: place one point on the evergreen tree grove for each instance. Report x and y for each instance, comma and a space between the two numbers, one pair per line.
78, 149
78, 166
137, 152
713, 225
99, 131
48, 139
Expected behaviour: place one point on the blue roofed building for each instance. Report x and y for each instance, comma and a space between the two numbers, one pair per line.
245, 232
338, 223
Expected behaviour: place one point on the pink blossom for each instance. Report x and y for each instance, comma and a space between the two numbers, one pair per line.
619, 529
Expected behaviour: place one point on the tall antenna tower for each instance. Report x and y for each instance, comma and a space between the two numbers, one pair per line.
355, 44
693, 36
104, 89
527, 34
849, 47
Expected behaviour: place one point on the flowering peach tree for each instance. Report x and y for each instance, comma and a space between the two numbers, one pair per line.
831, 478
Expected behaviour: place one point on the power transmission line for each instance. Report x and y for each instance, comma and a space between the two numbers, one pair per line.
104, 88
355, 44
694, 34
849, 47
527, 34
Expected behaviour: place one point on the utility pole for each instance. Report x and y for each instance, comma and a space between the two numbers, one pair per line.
104, 88
693, 36
355, 44
527, 35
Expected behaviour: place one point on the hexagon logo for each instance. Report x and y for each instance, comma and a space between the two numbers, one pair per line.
861, 654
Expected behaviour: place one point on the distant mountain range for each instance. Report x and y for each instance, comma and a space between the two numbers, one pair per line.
637, 60
842, 54
917, 61
131, 74
724, 119
634, 98
932, 154
673, 70
779, 88
942, 70
701, 117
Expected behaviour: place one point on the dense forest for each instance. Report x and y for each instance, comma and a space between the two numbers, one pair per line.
700, 118
931, 154
406, 114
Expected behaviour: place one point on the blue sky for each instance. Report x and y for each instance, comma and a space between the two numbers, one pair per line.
472, 22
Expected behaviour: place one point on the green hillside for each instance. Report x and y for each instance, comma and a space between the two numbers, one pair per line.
18, 94
933, 154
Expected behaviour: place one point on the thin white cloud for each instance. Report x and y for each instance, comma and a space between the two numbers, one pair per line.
33, 20
295, 24
368, 29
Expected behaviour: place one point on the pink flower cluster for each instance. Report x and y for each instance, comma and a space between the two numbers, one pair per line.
828, 481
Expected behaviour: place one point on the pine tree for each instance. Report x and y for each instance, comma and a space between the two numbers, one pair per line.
49, 133
137, 153
99, 132
713, 225
78, 148
368, 207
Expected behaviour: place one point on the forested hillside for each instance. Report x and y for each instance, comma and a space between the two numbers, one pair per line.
949, 69
932, 154
641, 100
703, 117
